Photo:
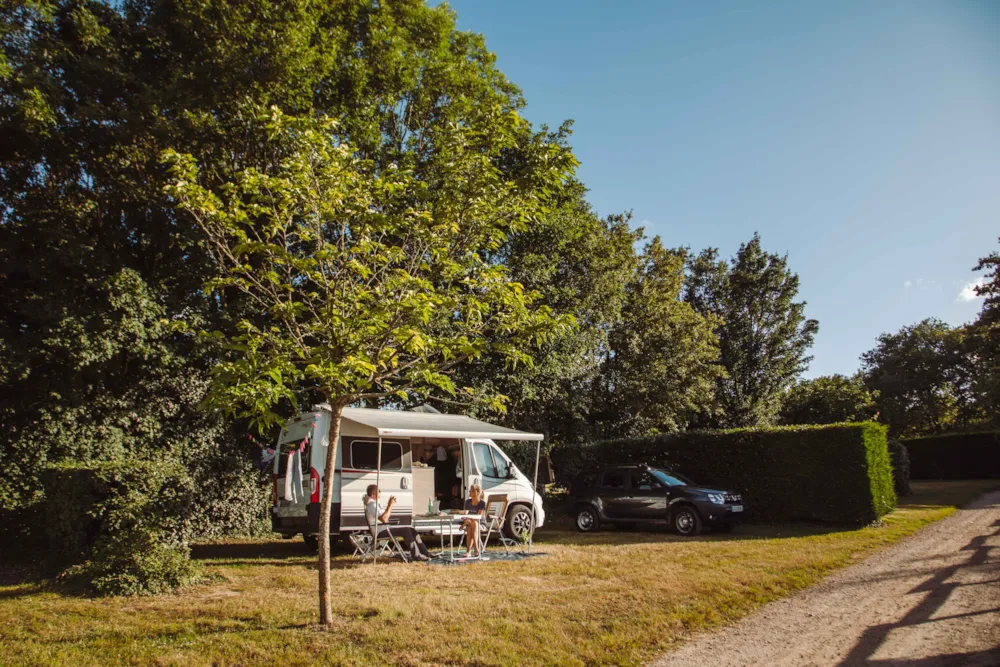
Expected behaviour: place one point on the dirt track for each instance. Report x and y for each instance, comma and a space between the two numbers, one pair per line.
931, 600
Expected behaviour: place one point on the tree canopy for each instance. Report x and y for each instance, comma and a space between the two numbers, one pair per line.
764, 337
829, 399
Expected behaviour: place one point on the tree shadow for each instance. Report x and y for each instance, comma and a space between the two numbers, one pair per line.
938, 590
662, 532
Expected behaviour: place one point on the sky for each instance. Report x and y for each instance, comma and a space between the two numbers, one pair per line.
860, 138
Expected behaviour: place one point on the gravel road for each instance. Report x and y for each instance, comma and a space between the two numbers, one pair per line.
932, 600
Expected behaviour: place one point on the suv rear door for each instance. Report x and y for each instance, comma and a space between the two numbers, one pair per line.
612, 489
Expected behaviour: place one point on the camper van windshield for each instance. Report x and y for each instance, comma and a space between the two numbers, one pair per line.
364, 454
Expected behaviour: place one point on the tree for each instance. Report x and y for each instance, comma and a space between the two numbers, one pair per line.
662, 362
367, 284
91, 93
990, 288
579, 264
828, 400
924, 378
764, 335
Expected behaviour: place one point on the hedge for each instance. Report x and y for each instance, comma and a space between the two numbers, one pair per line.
120, 527
837, 473
900, 460
955, 456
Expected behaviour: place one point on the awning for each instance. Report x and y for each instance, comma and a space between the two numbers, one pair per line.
429, 425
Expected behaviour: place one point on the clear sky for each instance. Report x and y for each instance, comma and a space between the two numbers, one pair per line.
862, 138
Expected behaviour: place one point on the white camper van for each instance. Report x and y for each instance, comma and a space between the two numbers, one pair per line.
426, 457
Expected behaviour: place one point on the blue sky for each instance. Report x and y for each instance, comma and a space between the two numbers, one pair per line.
861, 138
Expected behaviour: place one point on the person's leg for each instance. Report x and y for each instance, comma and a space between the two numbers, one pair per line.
411, 540
470, 536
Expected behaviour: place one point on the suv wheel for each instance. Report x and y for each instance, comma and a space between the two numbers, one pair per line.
586, 519
686, 521
311, 541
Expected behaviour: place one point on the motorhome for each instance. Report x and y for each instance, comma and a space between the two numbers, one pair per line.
428, 460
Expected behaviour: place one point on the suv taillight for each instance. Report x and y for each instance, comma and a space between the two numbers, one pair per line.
314, 484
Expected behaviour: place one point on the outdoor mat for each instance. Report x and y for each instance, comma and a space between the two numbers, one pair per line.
490, 557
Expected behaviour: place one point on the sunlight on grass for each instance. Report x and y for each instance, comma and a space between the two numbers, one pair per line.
605, 598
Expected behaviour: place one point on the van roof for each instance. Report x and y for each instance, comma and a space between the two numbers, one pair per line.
430, 425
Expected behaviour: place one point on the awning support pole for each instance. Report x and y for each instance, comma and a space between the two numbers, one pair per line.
534, 491
378, 476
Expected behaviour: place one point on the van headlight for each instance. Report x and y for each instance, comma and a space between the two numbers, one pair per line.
717, 498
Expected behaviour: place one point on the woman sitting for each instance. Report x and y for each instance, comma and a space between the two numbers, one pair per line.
473, 505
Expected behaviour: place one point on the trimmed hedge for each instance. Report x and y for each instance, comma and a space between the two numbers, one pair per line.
837, 473
955, 456
121, 527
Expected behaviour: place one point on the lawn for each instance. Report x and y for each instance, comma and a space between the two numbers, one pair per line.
606, 598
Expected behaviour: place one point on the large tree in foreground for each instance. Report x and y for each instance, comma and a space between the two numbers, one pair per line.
764, 337
366, 284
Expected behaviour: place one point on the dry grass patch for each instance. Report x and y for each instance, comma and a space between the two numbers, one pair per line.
607, 598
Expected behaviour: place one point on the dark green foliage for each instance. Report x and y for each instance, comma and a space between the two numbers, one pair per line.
121, 528
900, 467
925, 379
829, 399
764, 337
955, 456
838, 473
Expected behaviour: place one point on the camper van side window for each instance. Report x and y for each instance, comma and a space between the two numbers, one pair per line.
364, 454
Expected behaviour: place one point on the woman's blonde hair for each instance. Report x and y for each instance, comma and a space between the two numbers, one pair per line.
476, 488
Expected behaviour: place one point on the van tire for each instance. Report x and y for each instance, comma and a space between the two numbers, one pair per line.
518, 520
311, 542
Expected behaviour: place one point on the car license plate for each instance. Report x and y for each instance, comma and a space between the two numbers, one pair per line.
737, 508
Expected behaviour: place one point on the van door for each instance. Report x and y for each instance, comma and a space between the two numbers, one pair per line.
495, 471
293, 487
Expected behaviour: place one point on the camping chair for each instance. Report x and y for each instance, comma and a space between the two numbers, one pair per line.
496, 515
370, 544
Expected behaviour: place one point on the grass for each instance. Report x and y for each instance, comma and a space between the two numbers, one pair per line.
606, 598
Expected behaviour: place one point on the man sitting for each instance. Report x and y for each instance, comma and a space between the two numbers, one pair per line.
379, 514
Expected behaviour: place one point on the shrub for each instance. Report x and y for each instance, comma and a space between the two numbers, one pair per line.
837, 473
900, 459
955, 456
122, 527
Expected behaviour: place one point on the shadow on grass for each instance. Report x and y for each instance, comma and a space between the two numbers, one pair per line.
250, 551
658, 533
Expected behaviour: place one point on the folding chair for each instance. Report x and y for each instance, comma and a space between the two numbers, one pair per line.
378, 546
496, 515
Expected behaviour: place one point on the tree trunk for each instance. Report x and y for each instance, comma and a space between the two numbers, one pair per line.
328, 480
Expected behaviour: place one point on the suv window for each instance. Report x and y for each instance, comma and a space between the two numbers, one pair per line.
613, 479
643, 481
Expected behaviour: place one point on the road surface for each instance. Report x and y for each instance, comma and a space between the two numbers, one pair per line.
932, 600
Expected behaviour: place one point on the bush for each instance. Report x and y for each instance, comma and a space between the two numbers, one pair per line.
122, 527
838, 473
900, 467
955, 456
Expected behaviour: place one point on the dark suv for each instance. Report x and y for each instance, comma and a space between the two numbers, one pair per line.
625, 495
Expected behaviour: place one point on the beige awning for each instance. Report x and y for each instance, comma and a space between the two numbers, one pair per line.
428, 425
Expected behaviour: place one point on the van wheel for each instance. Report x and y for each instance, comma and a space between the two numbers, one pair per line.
586, 519
518, 522
311, 542
686, 521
